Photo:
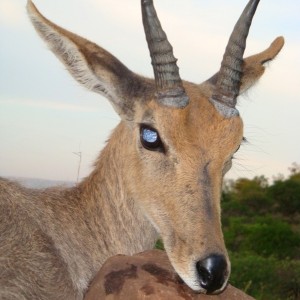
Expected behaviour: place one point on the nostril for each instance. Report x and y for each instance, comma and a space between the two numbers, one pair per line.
212, 272
205, 276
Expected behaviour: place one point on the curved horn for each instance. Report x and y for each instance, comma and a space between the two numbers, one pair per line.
169, 87
230, 74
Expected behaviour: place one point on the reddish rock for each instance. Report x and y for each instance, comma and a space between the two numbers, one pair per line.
150, 276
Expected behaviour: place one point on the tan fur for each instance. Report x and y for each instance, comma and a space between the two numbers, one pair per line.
52, 242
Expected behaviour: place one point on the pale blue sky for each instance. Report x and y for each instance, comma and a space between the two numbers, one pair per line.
45, 115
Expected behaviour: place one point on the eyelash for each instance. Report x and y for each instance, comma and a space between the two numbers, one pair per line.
244, 140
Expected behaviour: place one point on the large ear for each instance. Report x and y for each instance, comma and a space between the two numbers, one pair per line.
92, 66
254, 66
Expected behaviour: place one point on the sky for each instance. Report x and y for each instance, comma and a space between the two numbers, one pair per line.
46, 117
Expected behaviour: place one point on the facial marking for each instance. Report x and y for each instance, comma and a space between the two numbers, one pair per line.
206, 186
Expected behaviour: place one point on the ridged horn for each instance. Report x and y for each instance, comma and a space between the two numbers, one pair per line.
169, 86
230, 74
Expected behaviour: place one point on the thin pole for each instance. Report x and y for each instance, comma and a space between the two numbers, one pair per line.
79, 154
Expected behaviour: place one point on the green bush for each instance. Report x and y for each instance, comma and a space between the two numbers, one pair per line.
289, 274
235, 209
253, 274
287, 195
234, 233
159, 245
269, 237
264, 236
266, 278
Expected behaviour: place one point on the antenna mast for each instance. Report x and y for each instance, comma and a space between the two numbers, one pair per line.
79, 154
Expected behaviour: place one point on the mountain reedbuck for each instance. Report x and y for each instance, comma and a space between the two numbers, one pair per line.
160, 173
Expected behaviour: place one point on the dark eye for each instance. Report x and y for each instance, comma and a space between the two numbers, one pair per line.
237, 149
233, 156
150, 139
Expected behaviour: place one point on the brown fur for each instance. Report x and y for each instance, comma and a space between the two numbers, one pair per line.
53, 241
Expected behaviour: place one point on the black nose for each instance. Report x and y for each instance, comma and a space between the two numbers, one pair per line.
212, 272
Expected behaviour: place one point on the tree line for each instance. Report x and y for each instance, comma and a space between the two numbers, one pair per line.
261, 225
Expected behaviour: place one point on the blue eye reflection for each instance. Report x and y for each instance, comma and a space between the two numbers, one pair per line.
149, 135
150, 139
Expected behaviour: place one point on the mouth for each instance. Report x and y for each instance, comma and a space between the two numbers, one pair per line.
207, 276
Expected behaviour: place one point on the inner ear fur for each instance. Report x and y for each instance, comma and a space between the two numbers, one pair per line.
92, 66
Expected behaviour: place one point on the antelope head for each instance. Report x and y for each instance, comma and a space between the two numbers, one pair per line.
182, 135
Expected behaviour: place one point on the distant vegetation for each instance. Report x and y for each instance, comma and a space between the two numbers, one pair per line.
261, 225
